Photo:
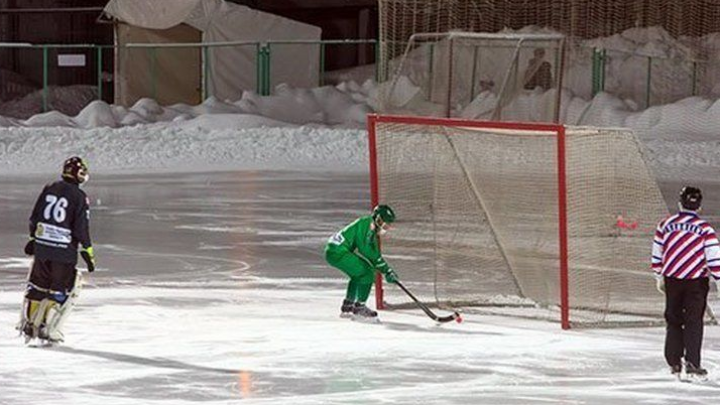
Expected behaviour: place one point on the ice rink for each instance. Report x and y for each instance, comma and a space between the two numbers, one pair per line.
212, 289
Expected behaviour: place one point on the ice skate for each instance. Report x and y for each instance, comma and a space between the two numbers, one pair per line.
27, 332
694, 374
676, 370
364, 314
346, 310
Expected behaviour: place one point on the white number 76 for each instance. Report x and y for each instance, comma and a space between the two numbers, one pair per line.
55, 207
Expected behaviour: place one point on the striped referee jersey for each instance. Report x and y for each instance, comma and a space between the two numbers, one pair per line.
685, 247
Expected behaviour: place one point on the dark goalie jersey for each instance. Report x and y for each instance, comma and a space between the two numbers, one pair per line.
60, 222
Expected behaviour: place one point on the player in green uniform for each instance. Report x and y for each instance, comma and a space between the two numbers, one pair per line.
355, 250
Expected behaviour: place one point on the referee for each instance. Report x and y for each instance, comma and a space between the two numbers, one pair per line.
685, 253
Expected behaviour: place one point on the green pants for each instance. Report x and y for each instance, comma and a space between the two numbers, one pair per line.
360, 271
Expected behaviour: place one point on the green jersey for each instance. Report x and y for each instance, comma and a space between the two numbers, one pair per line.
361, 237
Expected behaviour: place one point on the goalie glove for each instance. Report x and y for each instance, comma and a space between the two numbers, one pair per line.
30, 247
88, 255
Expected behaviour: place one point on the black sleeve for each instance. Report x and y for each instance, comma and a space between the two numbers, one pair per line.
36, 214
81, 229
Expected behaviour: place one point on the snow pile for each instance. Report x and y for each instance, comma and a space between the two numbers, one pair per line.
345, 104
681, 138
64, 99
626, 65
292, 127
254, 143
627, 54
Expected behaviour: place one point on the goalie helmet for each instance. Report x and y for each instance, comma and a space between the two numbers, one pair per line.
76, 170
383, 212
690, 198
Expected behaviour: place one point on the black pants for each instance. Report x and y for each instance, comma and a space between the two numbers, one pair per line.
49, 279
685, 302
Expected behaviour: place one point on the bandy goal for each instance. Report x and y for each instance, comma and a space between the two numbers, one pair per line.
532, 220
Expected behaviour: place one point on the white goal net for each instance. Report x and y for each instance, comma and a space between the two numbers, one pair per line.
533, 220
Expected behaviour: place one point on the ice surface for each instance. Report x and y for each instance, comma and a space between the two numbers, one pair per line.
212, 288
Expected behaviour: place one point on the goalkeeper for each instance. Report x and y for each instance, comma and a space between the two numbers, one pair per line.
355, 250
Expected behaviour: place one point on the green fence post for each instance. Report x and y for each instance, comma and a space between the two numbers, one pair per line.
205, 62
267, 70
649, 81
263, 69
99, 71
598, 71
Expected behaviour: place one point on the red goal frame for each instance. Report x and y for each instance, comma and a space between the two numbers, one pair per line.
559, 130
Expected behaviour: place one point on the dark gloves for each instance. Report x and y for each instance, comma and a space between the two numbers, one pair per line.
88, 254
30, 247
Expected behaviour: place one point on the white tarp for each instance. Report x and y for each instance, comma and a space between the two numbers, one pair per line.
157, 15
231, 69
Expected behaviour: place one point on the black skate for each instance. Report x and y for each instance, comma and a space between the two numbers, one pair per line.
676, 370
346, 310
28, 332
694, 374
364, 314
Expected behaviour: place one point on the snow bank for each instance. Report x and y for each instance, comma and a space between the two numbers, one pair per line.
176, 147
65, 99
345, 104
324, 127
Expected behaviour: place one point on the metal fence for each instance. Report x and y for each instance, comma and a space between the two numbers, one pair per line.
646, 80
89, 69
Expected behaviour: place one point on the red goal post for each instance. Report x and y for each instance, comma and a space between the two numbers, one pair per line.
518, 218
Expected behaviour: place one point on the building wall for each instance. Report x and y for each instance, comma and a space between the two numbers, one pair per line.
44, 22
354, 19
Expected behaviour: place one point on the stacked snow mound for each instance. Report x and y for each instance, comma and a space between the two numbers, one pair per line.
342, 105
167, 146
64, 99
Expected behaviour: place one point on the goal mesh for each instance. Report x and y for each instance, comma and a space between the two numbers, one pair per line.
478, 218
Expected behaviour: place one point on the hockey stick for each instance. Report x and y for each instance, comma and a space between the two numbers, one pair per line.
442, 319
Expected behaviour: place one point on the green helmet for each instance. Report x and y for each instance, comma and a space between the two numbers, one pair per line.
383, 212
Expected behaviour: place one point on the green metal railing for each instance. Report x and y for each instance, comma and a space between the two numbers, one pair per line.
264, 66
266, 49
263, 51
600, 58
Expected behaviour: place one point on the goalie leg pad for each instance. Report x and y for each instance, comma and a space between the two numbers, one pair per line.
33, 317
58, 314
